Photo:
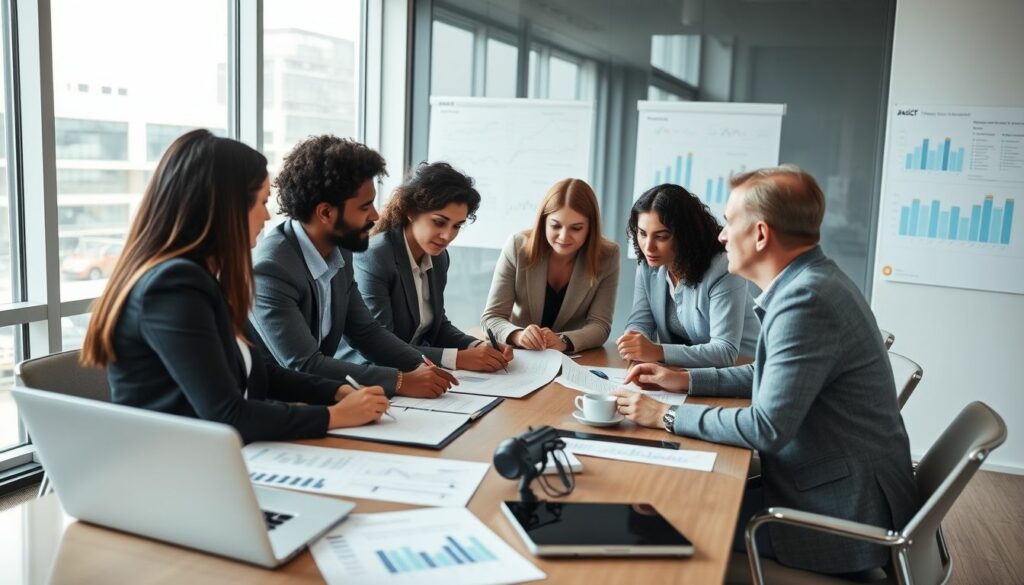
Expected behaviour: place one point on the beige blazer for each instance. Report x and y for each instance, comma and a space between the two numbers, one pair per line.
517, 297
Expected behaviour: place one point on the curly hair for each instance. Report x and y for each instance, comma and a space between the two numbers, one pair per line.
694, 230
431, 187
324, 169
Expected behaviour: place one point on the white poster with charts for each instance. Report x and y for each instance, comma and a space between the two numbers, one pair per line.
699, 145
953, 175
515, 150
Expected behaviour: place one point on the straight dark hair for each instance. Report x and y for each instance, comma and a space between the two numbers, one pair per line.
431, 187
694, 230
195, 206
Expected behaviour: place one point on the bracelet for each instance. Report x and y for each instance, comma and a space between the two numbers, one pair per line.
398, 381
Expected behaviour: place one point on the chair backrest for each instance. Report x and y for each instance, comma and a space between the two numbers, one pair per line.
942, 475
907, 374
887, 338
61, 372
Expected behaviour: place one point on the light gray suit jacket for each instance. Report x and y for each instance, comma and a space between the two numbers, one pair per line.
386, 281
823, 415
517, 297
286, 315
718, 316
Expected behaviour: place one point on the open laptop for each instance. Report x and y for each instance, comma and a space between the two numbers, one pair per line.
169, 478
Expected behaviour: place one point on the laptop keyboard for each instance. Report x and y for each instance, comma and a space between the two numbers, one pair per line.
273, 519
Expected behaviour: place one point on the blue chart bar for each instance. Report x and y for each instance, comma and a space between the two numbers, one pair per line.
689, 170
985, 224
291, 480
452, 552
679, 172
941, 158
721, 190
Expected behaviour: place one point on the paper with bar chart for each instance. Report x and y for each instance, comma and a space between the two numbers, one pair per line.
447, 546
699, 145
515, 149
954, 176
427, 481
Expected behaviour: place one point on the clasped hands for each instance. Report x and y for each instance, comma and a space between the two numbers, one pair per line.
537, 338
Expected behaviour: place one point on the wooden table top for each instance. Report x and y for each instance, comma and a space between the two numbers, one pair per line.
41, 544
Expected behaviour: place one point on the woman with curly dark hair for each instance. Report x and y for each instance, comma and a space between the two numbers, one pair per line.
688, 310
403, 274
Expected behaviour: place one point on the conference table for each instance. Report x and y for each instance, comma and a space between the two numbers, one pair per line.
39, 543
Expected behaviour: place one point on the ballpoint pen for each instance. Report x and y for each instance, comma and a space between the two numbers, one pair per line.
494, 343
427, 361
352, 382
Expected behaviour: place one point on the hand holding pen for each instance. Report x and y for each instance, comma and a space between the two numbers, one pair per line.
352, 382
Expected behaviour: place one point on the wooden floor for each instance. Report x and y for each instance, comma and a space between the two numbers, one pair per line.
984, 530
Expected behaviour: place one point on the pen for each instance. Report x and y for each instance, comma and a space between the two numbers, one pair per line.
352, 382
494, 343
427, 361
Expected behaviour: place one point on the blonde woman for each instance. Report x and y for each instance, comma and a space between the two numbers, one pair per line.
555, 284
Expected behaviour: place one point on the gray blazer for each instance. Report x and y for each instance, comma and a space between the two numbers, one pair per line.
517, 296
386, 281
286, 315
823, 415
717, 314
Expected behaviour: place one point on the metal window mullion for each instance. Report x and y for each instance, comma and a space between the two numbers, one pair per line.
38, 178
479, 87
245, 71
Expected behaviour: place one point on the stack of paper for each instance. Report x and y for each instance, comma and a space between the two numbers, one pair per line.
528, 371
427, 481
697, 460
583, 379
446, 546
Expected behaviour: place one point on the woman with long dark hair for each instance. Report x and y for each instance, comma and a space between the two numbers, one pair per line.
688, 310
172, 325
403, 274
554, 286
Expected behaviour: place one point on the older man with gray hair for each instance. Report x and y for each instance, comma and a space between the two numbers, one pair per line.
823, 414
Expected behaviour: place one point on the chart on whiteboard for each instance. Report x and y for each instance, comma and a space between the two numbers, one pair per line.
953, 178
515, 150
701, 145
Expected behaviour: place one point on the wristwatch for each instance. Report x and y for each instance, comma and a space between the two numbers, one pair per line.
668, 420
569, 347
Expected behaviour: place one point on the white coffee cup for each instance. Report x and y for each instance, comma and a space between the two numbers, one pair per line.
599, 408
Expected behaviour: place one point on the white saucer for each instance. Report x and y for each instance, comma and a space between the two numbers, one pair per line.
599, 423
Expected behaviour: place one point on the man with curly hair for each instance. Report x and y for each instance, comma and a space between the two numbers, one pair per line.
307, 299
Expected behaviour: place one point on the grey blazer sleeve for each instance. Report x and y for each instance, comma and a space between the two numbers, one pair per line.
178, 322
595, 331
727, 313
278, 320
641, 319
794, 374
502, 296
377, 343
734, 382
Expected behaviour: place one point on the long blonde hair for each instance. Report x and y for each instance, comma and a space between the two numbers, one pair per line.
577, 195
195, 206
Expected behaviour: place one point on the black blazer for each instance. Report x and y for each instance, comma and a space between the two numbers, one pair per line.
386, 282
176, 352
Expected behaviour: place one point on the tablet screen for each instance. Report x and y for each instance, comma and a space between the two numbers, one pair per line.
586, 524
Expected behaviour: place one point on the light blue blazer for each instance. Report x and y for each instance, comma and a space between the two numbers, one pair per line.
717, 315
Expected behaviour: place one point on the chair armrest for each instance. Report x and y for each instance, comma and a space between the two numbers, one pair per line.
812, 521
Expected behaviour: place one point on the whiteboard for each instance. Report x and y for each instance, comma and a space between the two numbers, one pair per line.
699, 145
515, 150
954, 175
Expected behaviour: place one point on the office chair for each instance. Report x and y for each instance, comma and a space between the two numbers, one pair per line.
907, 374
887, 338
61, 372
919, 553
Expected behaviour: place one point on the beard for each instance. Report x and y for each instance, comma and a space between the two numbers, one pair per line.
354, 239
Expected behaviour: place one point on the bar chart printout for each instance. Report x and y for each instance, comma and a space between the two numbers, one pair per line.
935, 156
449, 546
983, 223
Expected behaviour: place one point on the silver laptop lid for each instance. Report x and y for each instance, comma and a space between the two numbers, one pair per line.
166, 477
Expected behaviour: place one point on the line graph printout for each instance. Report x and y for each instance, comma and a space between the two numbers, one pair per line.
426, 481
515, 150
953, 178
699, 145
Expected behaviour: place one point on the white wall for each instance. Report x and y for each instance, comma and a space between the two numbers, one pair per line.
970, 343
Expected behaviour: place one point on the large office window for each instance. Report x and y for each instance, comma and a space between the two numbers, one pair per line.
310, 73
123, 90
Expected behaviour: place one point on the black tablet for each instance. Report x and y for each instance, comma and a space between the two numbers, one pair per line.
579, 529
